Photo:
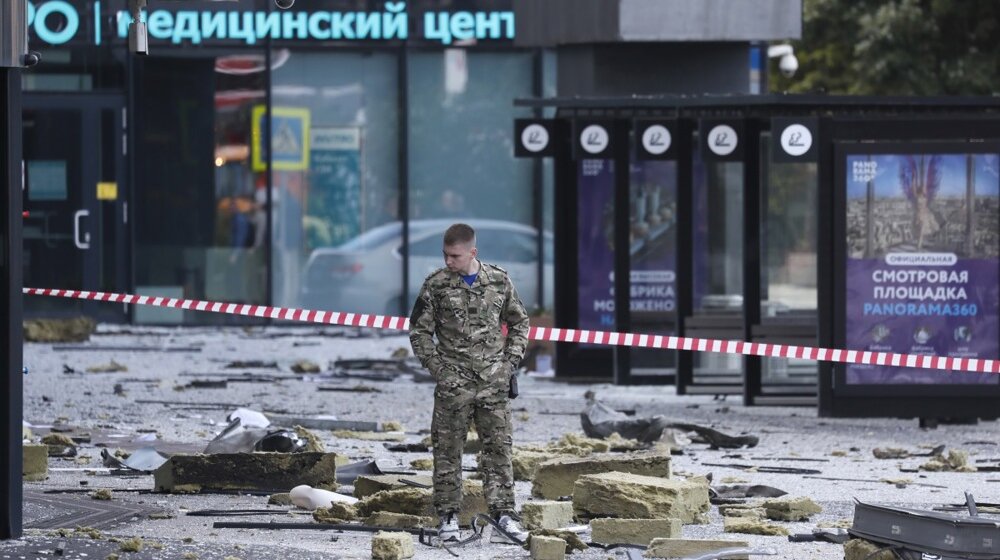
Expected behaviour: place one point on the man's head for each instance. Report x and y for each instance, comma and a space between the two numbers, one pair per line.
460, 248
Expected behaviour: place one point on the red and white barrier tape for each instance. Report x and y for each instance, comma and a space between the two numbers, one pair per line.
636, 340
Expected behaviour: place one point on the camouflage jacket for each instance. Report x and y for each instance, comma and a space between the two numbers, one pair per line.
467, 321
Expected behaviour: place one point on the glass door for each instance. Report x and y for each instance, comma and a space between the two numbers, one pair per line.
75, 227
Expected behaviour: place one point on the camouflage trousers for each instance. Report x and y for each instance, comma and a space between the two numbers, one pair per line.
462, 396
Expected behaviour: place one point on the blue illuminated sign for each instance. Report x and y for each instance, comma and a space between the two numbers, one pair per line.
57, 22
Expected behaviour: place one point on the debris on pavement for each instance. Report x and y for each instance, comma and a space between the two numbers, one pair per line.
305, 366
112, 367
307, 497
399, 520
426, 464
60, 445
747, 491
684, 548
272, 472
890, 453
146, 459
77, 329
35, 462
546, 548
336, 512
600, 421
556, 477
791, 509
633, 531
251, 364
572, 540
634, 496
547, 514
366, 485
956, 461
753, 526
860, 549
101, 494
392, 546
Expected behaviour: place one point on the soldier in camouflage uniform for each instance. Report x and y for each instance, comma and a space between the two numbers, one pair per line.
464, 305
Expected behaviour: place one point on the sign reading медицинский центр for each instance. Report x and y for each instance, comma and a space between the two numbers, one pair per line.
923, 260
94, 22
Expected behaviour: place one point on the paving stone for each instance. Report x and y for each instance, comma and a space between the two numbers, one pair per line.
547, 548
680, 548
556, 477
246, 471
547, 514
632, 496
392, 546
633, 531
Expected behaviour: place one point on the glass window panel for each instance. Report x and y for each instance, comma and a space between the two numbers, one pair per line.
336, 234
200, 215
462, 166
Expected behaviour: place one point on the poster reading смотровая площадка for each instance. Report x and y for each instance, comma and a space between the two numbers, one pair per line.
923, 240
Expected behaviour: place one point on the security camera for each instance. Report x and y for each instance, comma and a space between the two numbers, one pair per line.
787, 63
284, 4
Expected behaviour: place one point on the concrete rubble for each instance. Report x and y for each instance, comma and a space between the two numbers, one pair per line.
661, 502
246, 471
546, 514
392, 546
556, 478
860, 549
547, 548
635, 496
76, 329
633, 531
682, 548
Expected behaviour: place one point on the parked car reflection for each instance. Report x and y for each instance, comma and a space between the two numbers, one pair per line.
364, 274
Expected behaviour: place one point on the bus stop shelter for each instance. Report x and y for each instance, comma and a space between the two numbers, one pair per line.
864, 223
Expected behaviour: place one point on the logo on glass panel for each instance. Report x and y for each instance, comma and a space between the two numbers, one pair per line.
722, 140
656, 139
594, 139
534, 138
796, 140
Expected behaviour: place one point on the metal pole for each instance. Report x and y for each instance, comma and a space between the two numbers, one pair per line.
13, 23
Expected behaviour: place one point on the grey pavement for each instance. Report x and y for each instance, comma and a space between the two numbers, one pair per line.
547, 409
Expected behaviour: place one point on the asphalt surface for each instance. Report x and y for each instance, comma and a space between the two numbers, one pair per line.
161, 361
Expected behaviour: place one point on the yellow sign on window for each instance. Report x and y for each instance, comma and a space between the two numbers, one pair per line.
107, 191
289, 138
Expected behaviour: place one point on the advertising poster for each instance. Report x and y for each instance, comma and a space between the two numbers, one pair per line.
651, 234
923, 275
334, 214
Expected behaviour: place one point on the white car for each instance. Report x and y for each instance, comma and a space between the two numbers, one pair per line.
364, 275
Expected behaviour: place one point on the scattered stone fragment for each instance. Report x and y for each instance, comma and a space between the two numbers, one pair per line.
313, 443
572, 540
101, 494
742, 510
411, 501
791, 509
752, 526
897, 482
392, 426
398, 520
838, 453
35, 462
161, 515
838, 524
189, 556
890, 453
733, 480
57, 439
77, 329
392, 546
423, 464
131, 545
338, 512
112, 556
633, 496
860, 549
546, 548
246, 471
113, 367
305, 366
280, 499
526, 462
682, 548
957, 461
187, 540
400, 353
556, 477
547, 514
368, 436
81, 460
366, 485
633, 531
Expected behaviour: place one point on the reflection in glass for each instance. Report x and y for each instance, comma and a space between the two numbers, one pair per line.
336, 192
462, 167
